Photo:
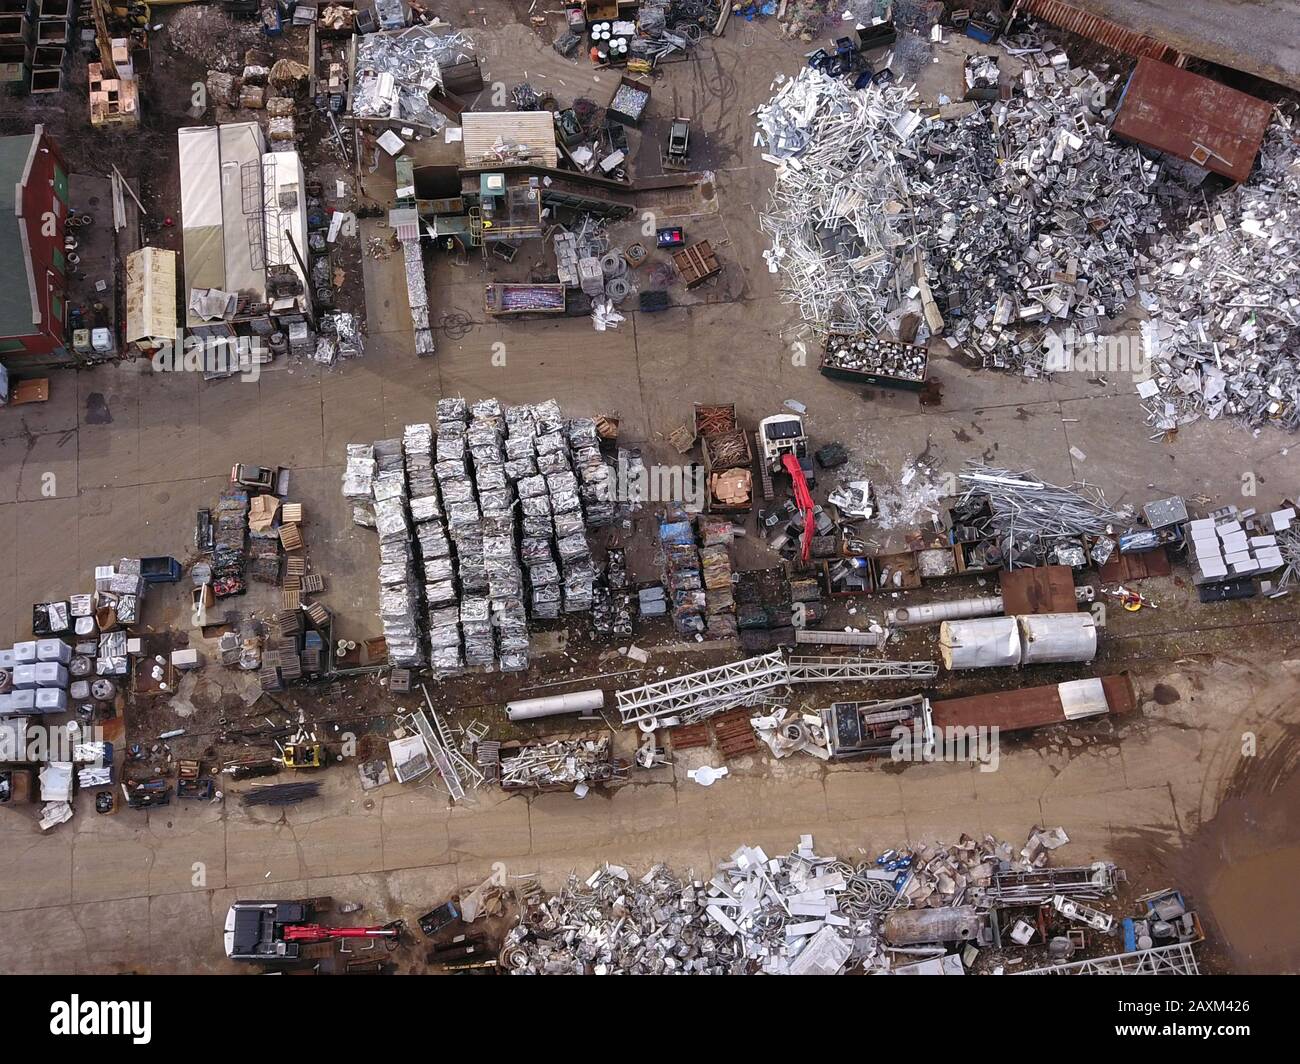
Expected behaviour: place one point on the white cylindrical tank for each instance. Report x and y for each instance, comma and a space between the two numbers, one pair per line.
554, 705
980, 643
1054, 637
934, 612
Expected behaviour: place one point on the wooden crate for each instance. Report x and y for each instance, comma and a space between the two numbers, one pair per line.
697, 263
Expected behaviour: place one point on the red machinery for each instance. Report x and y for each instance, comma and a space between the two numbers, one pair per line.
318, 933
276, 931
803, 499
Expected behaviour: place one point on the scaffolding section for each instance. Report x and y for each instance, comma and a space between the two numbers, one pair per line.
813, 669
1014, 886
731, 683
1163, 960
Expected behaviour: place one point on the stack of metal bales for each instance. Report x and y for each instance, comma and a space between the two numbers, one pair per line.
464, 522
455, 486
358, 476
486, 437
398, 585
535, 548
594, 473
576, 571
434, 549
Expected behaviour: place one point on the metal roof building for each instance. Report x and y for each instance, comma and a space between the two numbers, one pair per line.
532, 130
222, 211
1192, 117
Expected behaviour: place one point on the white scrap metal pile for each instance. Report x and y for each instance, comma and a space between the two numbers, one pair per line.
1026, 217
1023, 210
1224, 298
839, 222
395, 72
798, 914
563, 763
446, 498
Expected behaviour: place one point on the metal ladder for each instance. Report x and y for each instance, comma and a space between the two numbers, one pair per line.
439, 754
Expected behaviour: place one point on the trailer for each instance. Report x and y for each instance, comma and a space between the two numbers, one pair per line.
504, 300
870, 729
1026, 708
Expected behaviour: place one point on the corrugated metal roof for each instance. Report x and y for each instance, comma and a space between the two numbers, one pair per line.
150, 294
535, 129
16, 298
1098, 29
221, 208
1193, 117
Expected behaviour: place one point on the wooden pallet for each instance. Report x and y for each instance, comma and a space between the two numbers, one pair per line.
291, 537
697, 263
689, 736
734, 733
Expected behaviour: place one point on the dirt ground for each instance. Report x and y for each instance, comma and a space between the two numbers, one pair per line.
1169, 794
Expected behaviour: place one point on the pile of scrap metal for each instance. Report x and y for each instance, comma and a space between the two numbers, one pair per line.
797, 914
567, 764
840, 227
1015, 212
805, 914
1030, 520
1031, 215
396, 72
1224, 334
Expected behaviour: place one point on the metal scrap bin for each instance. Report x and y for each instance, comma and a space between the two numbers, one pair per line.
622, 104
895, 354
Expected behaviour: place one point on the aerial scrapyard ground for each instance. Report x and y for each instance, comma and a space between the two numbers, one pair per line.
1166, 794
